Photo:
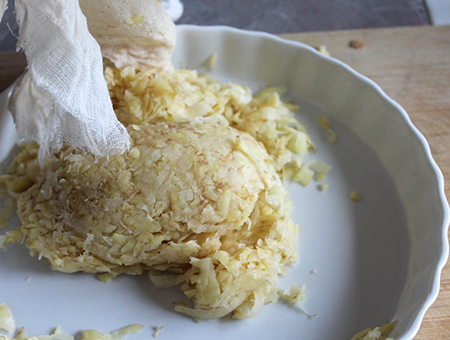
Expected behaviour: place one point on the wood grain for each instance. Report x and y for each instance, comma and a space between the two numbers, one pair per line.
412, 65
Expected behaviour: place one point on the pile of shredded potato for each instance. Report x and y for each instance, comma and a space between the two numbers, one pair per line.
149, 97
198, 200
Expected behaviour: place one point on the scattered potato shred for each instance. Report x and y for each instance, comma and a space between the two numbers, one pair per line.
323, 49
325, 124
211, 62
6, 319
58, 335
355, 196
378, 333
105, 277
157, 331
295, 294
116, 335
323, 186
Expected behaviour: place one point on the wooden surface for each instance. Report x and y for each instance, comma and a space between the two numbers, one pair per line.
412, 65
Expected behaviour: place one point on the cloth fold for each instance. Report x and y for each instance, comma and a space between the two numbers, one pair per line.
3, 5
63, 98
132, 32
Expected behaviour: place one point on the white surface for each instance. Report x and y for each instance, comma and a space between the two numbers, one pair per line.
175, 8
377, 260
439, 11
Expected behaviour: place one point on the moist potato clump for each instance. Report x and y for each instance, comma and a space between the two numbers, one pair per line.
172, 196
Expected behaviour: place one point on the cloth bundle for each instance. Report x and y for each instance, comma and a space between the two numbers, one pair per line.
63, 97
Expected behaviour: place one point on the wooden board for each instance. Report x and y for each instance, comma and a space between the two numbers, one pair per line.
412, 65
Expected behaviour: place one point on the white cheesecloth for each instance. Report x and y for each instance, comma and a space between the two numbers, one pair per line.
139, 33
3, 4
63, 98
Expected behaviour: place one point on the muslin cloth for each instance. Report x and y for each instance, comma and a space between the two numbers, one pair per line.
63, 98
132, 32
3, 4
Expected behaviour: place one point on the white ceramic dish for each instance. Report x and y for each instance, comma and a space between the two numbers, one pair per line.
377, 260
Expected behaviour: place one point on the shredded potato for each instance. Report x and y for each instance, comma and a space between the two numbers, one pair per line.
149, 97
105, 277
355, 196
325, 124
323, 186
295, 294
6, 319
378, 333
211, 62
323, 49
58, 335
198, 201
21, 335
157, 331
